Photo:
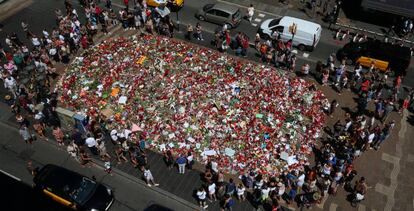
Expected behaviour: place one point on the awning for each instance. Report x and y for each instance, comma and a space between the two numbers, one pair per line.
398, 7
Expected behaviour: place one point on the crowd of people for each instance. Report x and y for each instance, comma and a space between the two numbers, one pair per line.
28, 74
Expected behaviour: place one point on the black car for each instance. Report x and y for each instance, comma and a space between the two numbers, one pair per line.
72, 189
397, 56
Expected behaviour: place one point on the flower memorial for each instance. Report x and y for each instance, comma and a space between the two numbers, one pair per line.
178, 96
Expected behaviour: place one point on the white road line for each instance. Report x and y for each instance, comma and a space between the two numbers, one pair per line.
257, 20
10, 175
333, 207
261, 15
361, 207
242, 6
306, 55
254, 24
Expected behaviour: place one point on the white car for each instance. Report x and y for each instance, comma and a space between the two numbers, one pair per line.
304, 34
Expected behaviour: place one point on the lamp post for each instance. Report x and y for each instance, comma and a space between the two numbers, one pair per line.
178, 20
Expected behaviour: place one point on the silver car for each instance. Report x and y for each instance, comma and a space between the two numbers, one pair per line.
220, 14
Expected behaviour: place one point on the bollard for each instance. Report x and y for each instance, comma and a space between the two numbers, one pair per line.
354, 39
337, 33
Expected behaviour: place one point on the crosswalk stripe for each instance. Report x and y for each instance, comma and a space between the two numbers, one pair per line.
257, 20
254, 24
261, 15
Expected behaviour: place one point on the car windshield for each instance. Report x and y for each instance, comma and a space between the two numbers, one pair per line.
81, 191
207, 7
236, 15
274, 22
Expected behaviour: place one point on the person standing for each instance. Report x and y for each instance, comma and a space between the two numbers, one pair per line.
181, 161
212, 191
240, 192
201, 195
189, 31
250, 13
190, 160
199, 35
91, 143
148, 177
58, 134
25, 134
11, 84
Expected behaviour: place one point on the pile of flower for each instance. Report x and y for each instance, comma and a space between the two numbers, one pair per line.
183, 97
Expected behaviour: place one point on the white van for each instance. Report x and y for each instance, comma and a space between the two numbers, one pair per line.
307, 33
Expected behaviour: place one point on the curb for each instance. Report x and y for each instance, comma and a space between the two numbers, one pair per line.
192, 206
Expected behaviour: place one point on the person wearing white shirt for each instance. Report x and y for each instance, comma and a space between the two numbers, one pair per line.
265, 192
240, 192
11, 84
201, 195
250, 13
190, 160
35, 42
148, 177
212, 191
114, 136
91, 143
127, 133
214, 166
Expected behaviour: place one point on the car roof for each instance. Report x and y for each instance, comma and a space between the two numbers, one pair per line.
56, 177
226, 8
302, 25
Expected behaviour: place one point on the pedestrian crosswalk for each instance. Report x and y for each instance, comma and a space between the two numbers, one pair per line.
258, 19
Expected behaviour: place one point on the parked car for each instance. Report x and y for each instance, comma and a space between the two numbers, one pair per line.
306, 34
396, 58
220, 14
72, 189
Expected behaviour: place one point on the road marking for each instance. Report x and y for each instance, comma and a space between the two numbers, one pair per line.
10, 175
306, 55
257, 20
390, 158
261, 15
361, 207
254, 24
333, 207
242, 6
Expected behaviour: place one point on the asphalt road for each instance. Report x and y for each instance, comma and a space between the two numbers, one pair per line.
131, 193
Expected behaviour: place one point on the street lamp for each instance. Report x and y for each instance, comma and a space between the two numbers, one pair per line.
178, 21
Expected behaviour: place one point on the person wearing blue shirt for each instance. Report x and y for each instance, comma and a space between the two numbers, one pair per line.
181, 161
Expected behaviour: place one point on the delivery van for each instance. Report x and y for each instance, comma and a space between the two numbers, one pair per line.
305, 35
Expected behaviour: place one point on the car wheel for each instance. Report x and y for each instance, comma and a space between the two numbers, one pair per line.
201, 18
301, 47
